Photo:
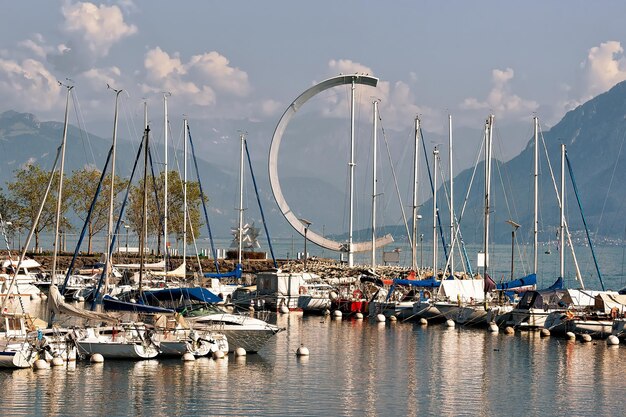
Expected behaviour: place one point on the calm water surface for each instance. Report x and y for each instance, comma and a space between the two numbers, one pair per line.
356, 368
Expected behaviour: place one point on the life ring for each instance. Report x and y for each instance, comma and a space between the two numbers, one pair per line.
302, 290
357, 294
614, 312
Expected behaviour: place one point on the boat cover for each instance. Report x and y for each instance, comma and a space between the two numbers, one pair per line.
236, 273
113, 304
198, 294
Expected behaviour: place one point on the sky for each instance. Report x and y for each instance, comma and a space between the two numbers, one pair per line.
248, 60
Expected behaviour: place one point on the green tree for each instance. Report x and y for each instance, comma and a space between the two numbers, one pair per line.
175, 208
8, 210
27, 190
81, 188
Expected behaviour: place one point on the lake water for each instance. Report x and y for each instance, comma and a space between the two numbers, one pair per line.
356, 368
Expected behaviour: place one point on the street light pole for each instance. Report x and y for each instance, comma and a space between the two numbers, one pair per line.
515, 227
126, 227
306, 224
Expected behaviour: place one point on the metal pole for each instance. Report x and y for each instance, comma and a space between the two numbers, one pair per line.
351, 166
415, 183
373, 185
306, 229
435, 174
536, 200
451, 194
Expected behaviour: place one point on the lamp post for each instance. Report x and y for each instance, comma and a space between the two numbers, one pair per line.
306, 224
126, 227
421, 250
515, 226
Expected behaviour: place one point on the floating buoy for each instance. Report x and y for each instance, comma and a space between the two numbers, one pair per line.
423, 322
337, 314
218, 354
284, 309
586, 337
381, 318
493, 328
41, 364
544, 333
326, 312
188, 357
509, 330
58, 361
450, 323
96, 358
358, 316
302, 351
570, 336
240, 351
393, 319
612, 340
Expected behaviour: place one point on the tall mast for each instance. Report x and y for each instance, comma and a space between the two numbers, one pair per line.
375, 127
351, 165
489, 138
144, 209
60, 193
536, 199
186, 134
165, 215
451, 195
435, 168
415, 182
111, 197
562, 213
240, 226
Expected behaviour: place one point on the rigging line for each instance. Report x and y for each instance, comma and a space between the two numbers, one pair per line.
81, 121
432, 187
567, 232
608, 189
593, 252
395, 181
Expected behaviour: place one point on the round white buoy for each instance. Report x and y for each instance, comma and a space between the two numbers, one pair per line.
358, 316
493, 328
188, 357
251, 309
612, 340
586, 338
284, 309
337, 314
393, 318
423, 322
41, 364
58, 361
96, 358
302, 351
132, 300
381, 318
240, 351
218, 354
544, 333
509, 330
570, 336
450, 323
326, 312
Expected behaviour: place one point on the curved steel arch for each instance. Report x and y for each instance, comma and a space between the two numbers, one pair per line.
273, 164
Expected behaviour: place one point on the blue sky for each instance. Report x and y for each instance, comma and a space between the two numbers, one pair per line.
250, 59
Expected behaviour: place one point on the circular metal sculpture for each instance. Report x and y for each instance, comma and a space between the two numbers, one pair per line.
273, 164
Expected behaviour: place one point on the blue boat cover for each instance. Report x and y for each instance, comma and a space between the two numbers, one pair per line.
520, 282
113, 304
558, 285
231, 274
425, 283
187, 293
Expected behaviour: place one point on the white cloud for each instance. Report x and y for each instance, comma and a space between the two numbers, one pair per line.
99, 27
36, 46
28, 85
98, 78
605, 67
197, 81
500, 99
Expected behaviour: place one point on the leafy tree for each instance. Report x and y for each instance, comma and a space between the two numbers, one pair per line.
175, 207
26, 191
81, 188
8, 210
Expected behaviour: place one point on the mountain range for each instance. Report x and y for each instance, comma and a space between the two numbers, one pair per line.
313, 168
